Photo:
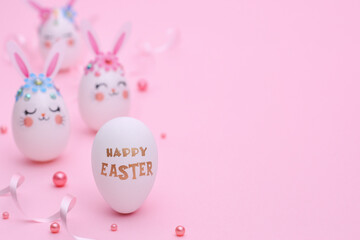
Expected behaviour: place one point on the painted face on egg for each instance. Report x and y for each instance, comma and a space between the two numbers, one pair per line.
59, 24
40, 119
104, 92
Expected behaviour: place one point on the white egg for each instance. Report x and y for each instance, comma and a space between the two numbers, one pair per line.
40, 120
124, 162
56, 24
103, 91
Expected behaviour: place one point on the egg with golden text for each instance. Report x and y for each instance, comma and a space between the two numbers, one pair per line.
124, 163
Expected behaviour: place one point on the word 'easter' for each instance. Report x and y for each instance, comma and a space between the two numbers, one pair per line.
123, 171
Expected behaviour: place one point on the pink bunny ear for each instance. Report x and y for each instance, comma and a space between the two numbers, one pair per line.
54, 59
44, 13
18, 59
90, 37
122, 37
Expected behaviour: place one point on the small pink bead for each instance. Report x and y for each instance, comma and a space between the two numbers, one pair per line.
3, 129
163, 135
180, 231
5, 215
59, 179
55, 227
142, 85
113, 227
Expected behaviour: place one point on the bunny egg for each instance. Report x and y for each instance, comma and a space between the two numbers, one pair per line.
58, 24
103, 91
40, 120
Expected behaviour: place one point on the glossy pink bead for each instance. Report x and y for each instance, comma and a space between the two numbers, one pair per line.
180, 231
55, 227
142, 85
113, 227
59, 179
3, 130
5, 215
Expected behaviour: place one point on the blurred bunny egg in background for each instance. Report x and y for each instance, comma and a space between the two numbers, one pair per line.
40, 121
56, 24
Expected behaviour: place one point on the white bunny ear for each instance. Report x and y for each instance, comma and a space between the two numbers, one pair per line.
122, 37
90, 37
54, 59
18, 59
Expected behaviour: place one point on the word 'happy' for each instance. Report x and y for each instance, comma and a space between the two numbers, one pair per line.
124, 171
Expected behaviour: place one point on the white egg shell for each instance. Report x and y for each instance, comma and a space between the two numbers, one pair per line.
56, 28
43, 139
124, 162
96, 113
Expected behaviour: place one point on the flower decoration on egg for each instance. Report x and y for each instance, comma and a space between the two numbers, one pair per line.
38, 83
89, 67
69, 13
35, 83
108, 61
19, 93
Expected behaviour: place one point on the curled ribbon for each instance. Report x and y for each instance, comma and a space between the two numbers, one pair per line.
172, 37
144, 58
67, 203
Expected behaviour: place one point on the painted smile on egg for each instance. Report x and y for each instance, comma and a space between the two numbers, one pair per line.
44, 119
113, 93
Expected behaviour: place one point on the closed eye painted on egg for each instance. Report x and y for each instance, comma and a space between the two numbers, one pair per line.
27, 112
48, 37
121, 83
68, 34
100, 84
56, 110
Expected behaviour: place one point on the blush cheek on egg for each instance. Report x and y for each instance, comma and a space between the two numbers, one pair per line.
47, 44
99, 97
28, 122
125, 94
70, 42
58, 119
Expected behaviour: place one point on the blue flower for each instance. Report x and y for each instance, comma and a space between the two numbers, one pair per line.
34, 83
19, 93
69, 13
38, 83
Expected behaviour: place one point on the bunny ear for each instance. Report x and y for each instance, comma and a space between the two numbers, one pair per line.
18, 59
122, 37
44, 13
90, 37
54, 59
35, 5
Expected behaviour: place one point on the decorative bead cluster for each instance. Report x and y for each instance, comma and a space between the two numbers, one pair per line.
35, 83
69, 13
107, 61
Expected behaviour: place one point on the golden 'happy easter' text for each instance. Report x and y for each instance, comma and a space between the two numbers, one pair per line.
132, 170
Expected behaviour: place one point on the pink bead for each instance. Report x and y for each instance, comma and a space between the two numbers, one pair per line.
113, 227
5, 215
142, 85
3, 130
59, 179
180, 231
163, 135
55, 227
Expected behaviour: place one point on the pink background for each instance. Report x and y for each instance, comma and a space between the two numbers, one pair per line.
260, 104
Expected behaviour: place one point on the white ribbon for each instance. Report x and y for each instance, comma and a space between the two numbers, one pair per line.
67, 203
172, 37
